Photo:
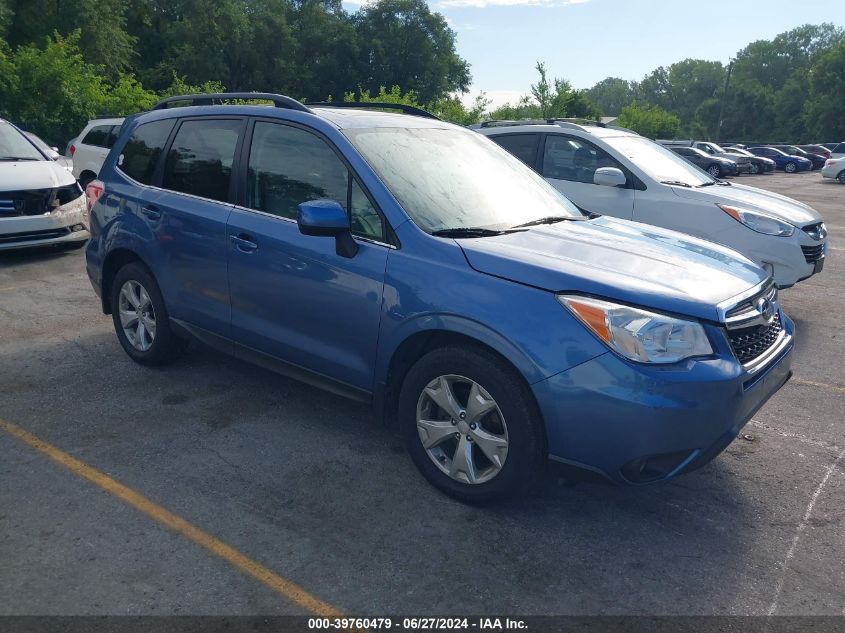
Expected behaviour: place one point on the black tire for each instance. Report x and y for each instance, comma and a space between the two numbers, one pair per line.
841, 176
790, 168
165, 344
715, 170
755, 169
526, 452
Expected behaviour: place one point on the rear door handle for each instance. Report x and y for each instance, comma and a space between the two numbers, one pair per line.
151, 212
244, 242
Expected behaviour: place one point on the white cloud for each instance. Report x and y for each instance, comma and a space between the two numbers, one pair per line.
480, 4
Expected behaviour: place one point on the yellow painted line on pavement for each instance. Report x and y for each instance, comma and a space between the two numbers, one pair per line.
820, 385
291, 591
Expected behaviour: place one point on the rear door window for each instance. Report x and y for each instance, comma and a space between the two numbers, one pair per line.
142, 151
523, 146
201, 156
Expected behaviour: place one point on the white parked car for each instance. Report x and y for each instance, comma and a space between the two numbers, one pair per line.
834, 168
40, 202
51, 152
616, 172
838, 151
90, 148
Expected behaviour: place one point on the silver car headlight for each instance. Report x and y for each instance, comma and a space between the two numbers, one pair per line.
639, 335
757, 221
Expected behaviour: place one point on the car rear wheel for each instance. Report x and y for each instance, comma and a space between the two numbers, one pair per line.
841, 177
790, 168
715, 170
471, 425
755, 169
140, 317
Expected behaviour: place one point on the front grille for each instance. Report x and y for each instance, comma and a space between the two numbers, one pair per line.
751, 342
36, 201
744, 307
813, 253
32, 236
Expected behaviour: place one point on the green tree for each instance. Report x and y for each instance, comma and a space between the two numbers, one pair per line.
612, 94
401, 42
827, 94
649, 120
104, 39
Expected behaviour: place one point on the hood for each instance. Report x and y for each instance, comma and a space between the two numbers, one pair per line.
33, 174
633, 263
774, 204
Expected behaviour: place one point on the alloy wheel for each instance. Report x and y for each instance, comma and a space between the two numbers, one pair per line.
790, 168
714, 171
462, 429
137, 315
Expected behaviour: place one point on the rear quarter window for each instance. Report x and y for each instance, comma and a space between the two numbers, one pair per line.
143, 149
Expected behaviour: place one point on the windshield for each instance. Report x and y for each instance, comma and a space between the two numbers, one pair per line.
451, 178
658, 162
14, 146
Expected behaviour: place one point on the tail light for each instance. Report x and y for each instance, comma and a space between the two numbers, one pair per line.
93, 191
829, 162
72, 149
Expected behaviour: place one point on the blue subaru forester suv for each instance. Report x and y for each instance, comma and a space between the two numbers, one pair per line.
406, 262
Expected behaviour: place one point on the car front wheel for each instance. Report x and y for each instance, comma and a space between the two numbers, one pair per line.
470, 424
841, 177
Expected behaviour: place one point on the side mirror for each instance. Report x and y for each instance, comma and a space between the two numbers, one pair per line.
326, 218
609, 177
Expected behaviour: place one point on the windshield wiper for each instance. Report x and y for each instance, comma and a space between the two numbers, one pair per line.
677, 183
715, 182
552, 219
17, 158
468, 231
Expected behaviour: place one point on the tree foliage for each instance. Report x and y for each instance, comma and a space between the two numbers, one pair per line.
119, 55
649, 120
774, 92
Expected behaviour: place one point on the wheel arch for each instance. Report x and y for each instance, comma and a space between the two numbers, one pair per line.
114, 261
420, 342
86, 175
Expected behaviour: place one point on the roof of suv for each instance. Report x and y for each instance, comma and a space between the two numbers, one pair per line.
552, 125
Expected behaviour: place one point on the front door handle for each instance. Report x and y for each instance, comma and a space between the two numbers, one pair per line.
244, 242
151, 212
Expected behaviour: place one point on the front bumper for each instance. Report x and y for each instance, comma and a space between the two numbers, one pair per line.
66, 225
639, 424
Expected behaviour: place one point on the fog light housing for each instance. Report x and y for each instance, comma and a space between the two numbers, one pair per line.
651, 468
77, 227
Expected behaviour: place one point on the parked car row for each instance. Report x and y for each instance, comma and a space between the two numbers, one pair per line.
718, 162
501, 306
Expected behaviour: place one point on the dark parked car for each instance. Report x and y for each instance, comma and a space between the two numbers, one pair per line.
821, 150
787, 162
417, 266
714, 165
759, 164
818, 160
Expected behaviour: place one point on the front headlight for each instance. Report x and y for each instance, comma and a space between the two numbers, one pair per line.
757, 221
640, 335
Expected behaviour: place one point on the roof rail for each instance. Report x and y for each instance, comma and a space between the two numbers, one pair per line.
507, 122
217, 98
576, 121
406, 109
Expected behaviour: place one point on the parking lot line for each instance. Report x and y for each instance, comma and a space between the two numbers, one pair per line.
291, 591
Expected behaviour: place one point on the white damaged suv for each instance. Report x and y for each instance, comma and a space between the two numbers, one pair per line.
41, 204
616, 172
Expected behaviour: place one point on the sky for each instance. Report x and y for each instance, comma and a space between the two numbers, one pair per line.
585, 41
